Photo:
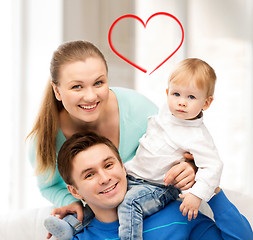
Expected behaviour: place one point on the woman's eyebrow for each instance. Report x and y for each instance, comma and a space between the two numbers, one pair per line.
82, 81
101, 76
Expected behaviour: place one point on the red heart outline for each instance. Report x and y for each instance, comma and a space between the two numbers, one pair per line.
144, 24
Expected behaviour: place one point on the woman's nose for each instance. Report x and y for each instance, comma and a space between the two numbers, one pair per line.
89, 95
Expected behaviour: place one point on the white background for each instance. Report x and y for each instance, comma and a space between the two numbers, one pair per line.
219, 32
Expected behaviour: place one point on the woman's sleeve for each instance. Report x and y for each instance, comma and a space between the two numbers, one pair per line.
134, 109
53, 189
229, 223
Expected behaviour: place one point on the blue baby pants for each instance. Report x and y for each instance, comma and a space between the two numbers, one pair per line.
77, 226
142, 199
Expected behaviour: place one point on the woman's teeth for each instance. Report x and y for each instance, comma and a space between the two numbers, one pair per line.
89, 106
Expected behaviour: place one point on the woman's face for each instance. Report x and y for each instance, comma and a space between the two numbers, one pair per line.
83, 89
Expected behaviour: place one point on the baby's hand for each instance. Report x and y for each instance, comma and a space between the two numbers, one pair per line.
190, 205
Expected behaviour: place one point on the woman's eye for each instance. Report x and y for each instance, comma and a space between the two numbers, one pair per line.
98, 83
192, 97
76, 87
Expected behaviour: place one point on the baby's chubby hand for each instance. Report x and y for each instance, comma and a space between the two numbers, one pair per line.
190, 205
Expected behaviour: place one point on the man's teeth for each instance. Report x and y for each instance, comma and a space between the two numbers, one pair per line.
109, 189
89, 107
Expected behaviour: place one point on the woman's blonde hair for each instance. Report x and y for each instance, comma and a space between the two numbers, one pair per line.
46, 125
196, 71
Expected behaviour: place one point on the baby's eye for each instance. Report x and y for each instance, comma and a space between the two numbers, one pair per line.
176, 94
192, 97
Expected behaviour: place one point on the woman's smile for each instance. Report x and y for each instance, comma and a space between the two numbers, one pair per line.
89, 107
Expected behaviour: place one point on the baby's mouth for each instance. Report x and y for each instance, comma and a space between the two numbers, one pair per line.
181, 111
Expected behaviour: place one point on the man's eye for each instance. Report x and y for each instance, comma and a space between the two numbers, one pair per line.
109, 165
192, 97
89, 175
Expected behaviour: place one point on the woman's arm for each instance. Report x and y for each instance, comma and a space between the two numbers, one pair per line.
53, 189
229, 223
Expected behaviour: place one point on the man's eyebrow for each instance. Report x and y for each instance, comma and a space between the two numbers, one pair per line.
90, 169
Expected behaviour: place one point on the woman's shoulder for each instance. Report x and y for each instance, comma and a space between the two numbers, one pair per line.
129, 98
128, 93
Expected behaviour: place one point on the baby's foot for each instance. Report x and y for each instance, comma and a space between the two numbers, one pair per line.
58, 228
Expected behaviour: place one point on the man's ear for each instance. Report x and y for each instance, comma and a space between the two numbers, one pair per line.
208, 102
56, 92
74, 192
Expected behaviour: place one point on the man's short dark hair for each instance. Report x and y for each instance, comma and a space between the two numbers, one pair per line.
77, 143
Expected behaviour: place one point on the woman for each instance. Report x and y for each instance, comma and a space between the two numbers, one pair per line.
78, 98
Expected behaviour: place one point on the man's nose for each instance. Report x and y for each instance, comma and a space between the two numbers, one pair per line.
104, 177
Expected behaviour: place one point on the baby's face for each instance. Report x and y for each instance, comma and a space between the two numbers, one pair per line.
186, 102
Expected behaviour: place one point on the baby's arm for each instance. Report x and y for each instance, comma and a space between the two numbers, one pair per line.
190, 205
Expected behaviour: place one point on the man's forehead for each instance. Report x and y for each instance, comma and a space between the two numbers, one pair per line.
99, 153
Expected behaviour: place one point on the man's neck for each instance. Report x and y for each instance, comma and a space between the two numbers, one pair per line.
107, 216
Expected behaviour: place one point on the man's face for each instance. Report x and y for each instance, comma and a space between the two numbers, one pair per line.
100, 179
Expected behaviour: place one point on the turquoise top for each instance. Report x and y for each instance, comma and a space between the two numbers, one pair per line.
134, 110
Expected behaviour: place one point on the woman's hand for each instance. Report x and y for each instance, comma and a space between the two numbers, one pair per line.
183, 174
74, 207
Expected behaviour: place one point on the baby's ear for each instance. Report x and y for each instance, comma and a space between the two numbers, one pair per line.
208, 102
167, 91
74, 192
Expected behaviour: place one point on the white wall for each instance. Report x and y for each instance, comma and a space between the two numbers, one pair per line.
220, 32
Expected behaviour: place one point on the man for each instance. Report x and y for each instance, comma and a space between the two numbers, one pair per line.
91, 166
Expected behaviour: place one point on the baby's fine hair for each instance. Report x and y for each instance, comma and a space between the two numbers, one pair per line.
194, 71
